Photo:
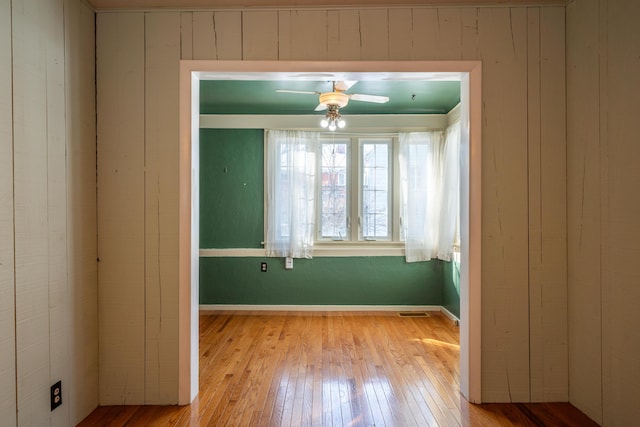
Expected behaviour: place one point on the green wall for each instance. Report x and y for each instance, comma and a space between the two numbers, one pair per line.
451, 287
231, 188
321, 281
232, 216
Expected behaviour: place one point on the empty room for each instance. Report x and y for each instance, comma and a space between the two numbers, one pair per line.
150, 273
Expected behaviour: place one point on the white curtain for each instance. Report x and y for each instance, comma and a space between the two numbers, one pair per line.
429, 169
291, 206
450, 203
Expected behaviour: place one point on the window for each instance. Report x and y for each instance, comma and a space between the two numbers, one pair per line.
362, 189
356, 189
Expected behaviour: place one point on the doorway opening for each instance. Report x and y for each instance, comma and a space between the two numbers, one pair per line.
469, 73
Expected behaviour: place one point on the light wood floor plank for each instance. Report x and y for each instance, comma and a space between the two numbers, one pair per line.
332, 369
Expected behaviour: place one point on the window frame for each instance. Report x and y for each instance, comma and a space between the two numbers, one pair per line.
354, 193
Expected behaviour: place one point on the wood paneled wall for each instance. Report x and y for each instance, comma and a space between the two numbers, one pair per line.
524, 342
603, 74
47, 228
7, 260
82, 232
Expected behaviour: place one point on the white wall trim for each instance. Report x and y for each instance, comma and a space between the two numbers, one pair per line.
318, 251
191, 71
369, 122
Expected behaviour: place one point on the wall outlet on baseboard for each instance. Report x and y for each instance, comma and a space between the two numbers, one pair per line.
56, 395
288, 263
263, 267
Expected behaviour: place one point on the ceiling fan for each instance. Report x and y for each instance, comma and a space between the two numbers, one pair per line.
336, 99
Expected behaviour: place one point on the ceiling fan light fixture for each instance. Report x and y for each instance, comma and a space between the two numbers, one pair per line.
334, 98
333, 119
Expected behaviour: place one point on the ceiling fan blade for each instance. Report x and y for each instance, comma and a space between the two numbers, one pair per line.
321, 107
345, 85
302, 92
369, 98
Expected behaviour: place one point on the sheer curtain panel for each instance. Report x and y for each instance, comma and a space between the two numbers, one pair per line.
291, 205
420, 183
450, 203
429, 169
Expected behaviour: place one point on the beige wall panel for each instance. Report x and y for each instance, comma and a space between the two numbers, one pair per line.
284, 35
534, 110
228, 35
505, 299
344, 35
7, 283
547, 206
162, 55
621, 293
217, 35
120, 130
82, 387
400, 34
449, 41
307, 35
374, 34
57, 203
425, 33
203, 36
186, 35
553, 182
583, 209
260, 35
498, 36
470, 50
31, 231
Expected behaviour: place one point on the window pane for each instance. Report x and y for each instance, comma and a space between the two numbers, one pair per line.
333, 192
375, 190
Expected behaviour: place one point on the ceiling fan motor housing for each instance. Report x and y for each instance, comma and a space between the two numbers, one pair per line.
334, 98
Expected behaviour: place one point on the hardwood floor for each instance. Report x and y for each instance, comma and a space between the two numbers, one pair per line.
331, 369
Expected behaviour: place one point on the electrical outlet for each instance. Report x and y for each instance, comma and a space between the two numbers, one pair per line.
263, 267
56, 395
288, 263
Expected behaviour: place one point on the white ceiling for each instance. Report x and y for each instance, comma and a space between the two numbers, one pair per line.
240, 4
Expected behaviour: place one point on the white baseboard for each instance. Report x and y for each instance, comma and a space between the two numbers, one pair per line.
450, 315
251, 307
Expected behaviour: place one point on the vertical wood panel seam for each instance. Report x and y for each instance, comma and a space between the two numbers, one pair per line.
540, 208
215, 34
144, 207
65, 274
13, 201
192, 42
602, 143
529, 166
388, 37
360, 30
528, 200
48, 214
181, 30
242, 35
413, 36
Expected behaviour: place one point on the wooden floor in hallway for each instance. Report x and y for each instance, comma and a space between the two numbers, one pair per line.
332, 369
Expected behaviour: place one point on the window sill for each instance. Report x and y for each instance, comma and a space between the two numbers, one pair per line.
345, 249
324, 249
